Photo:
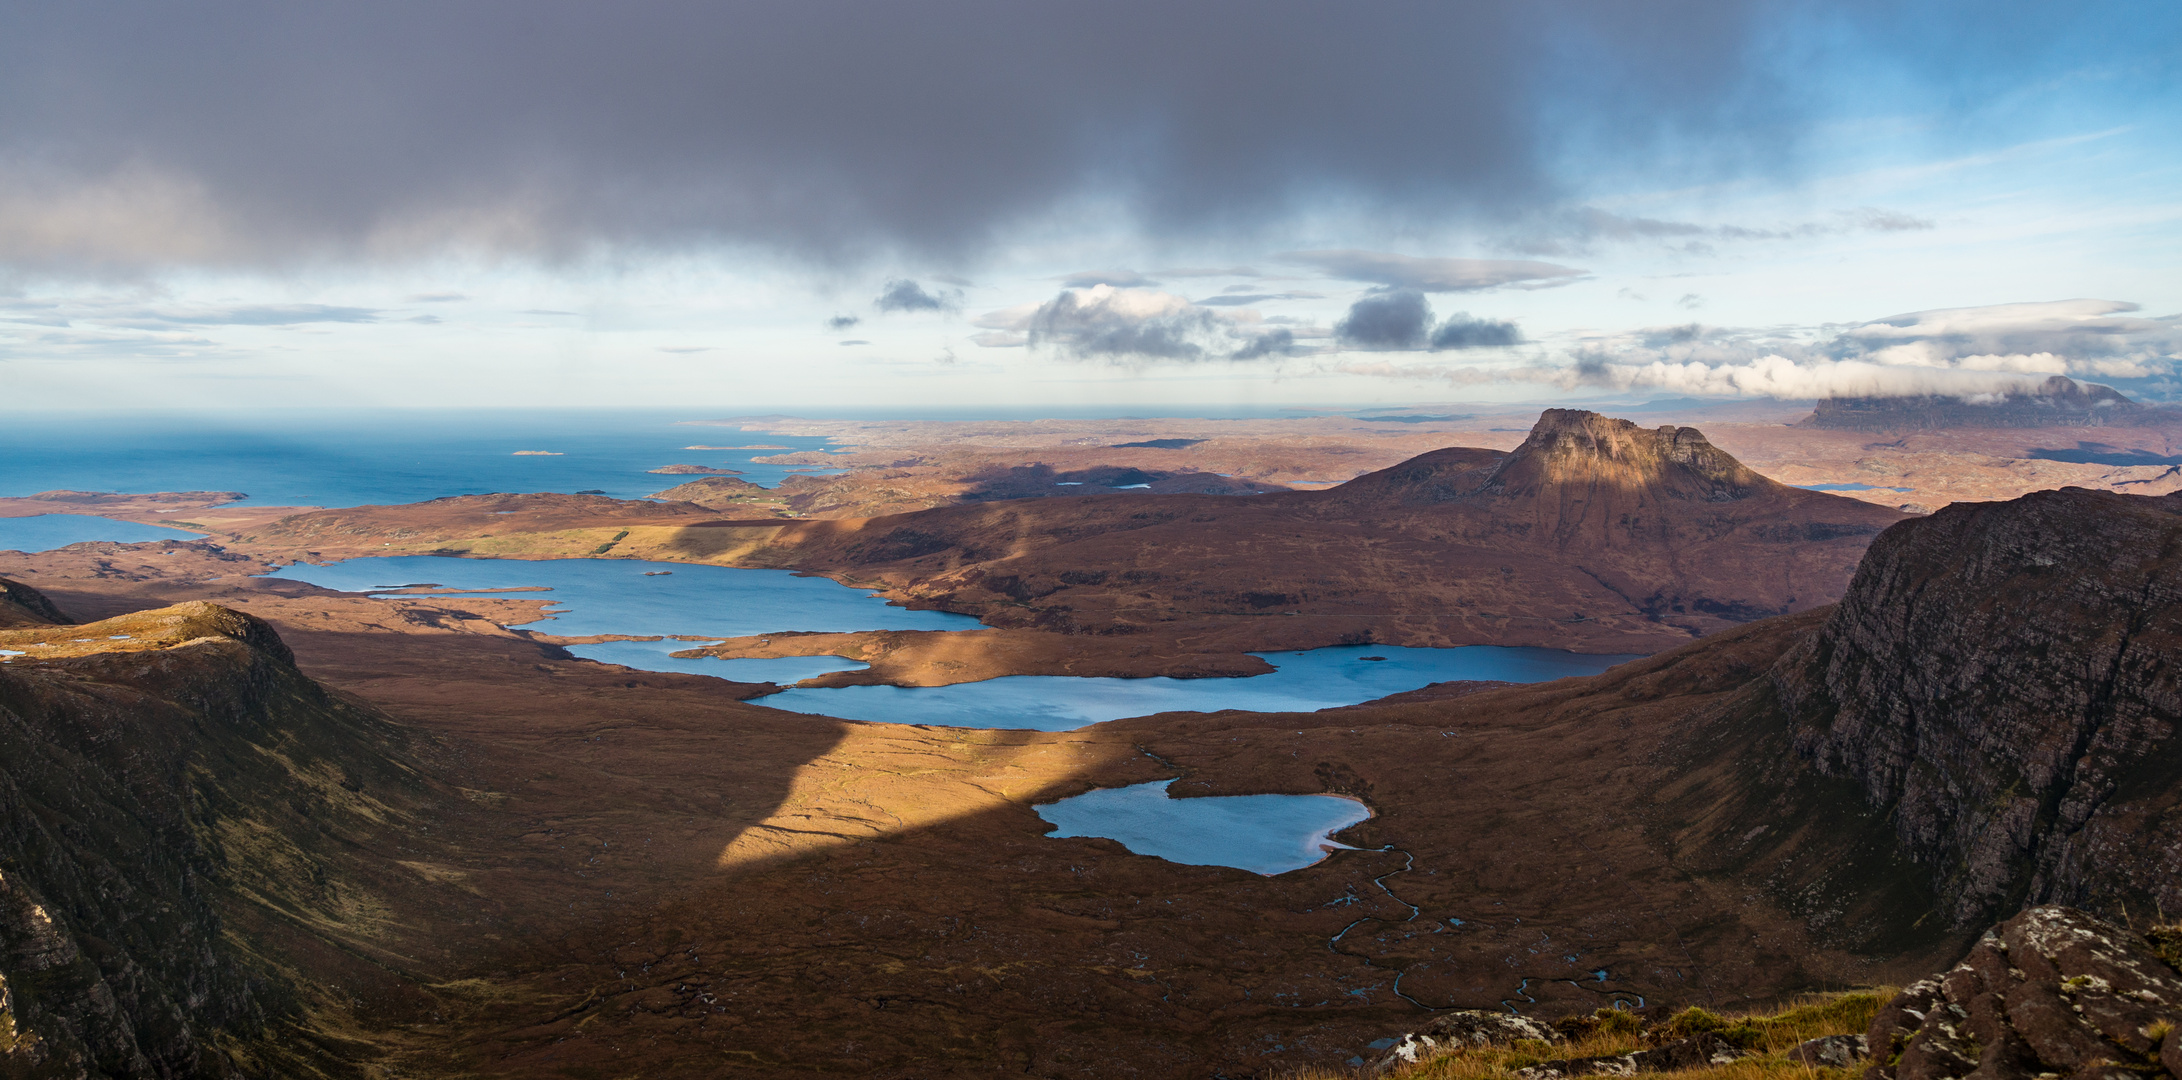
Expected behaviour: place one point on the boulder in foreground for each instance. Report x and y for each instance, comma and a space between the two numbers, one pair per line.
2051, 992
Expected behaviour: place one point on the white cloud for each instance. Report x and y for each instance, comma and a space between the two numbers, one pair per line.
1959, 352
1104, 322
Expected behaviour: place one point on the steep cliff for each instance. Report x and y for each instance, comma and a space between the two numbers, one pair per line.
2003, 680
181, 813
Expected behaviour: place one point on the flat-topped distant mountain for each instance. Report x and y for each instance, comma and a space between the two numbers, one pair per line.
1593, 531
1594, 534
2058, 402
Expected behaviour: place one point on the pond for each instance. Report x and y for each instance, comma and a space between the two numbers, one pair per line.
1264, 834
630, 596
1301, 682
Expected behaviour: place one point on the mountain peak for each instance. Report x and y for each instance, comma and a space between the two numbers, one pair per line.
1579, 447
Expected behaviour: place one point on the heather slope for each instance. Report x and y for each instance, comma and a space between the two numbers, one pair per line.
185, 819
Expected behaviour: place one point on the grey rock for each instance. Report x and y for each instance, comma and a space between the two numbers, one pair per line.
1693, 1053
2053, 991
1836, 1051
1464, 1028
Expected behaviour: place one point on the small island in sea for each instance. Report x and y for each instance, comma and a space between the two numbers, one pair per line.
694, 470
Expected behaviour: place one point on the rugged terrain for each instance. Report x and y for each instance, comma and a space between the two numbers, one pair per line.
2017, 720
657, 873
200, 851
1593, 535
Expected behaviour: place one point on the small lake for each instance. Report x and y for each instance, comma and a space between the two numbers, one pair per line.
1264, 834
630, 596
638, 598
45, 532
1301, 682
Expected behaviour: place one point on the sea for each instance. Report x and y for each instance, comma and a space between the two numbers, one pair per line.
381, 456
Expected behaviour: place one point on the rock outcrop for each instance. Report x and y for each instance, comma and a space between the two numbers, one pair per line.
1460, 1029
21, 605
2059, 402
2051, 992
180, 810
714, 492
2001, 680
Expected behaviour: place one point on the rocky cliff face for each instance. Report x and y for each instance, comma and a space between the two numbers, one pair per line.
179, 807
2002, 679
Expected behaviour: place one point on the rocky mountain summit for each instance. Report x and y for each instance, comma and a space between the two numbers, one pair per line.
1594, 529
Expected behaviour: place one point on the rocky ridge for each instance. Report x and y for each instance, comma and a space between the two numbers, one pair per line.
21, 605
2001, 680
181, 812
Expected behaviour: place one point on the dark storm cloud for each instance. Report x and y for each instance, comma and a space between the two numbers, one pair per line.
903, 294
252, 131
1433, 275
1401, 320
1143, 324
1396, 319
1460, 331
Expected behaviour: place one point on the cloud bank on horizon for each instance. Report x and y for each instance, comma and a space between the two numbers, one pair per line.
1998, 348
1308, 188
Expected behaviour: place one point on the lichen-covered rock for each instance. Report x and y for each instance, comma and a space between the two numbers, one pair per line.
2000, 679
2052, 992
1463, 1028
1831, 1051
1692, 1053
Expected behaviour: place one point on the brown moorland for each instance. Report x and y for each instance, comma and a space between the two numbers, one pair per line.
655, 873
1593, 535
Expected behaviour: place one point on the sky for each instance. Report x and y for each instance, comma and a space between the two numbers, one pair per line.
924, 205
